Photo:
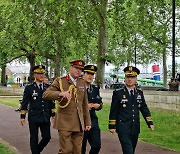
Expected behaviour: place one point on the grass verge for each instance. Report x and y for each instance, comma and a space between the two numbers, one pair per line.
10, 101
5, 148
166, 133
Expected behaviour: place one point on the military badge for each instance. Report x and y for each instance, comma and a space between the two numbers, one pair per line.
124, 105
124, 96
130, 68
138, 96
34, 95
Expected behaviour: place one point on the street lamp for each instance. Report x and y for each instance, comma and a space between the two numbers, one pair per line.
173, 38
135, 50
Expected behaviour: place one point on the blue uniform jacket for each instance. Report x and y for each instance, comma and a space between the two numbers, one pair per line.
39, 110
124, 112
94, 97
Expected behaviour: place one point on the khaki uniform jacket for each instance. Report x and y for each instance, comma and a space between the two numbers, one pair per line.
76, 115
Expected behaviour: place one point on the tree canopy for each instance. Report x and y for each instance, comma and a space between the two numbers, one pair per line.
98, 32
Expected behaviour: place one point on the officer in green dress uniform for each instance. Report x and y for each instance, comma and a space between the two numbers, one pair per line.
124, 112
94, 104
39, 111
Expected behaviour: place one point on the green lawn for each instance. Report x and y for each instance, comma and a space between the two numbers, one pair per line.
167, 124
2, 93
5, 150
11, 101
167, 127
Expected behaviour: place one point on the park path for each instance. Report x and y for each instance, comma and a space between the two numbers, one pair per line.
17, 136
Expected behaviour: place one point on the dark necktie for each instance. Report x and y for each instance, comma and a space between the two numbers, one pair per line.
40, 87
132, 94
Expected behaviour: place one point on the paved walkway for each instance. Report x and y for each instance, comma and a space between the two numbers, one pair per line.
18, 136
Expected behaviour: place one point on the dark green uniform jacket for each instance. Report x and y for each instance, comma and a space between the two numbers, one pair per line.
93, 97
124, 112
39, 110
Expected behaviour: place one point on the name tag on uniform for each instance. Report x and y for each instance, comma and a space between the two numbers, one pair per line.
124, 100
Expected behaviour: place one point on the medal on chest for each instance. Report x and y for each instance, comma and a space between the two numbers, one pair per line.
124, 100
139, 100
34, 95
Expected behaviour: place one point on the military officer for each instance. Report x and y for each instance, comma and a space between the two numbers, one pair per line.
39, 111
94, 104
124, 112
72, 116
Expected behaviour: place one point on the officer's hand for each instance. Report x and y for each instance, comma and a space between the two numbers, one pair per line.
52, 119
65, 94
112, 131
96, 105
23, 122
88, 128
151, 127
90, 106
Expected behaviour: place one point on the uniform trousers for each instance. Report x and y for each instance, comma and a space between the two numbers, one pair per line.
94, 138
70, 142
36, 146
128, 143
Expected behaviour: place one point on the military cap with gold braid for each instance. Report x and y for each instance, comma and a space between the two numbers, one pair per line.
40, 69
77, 63
131, 71
90, 69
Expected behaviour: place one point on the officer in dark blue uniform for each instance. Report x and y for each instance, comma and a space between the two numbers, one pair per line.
39, 111
124, 112
94, 104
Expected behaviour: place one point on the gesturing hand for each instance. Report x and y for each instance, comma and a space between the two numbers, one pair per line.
65, 94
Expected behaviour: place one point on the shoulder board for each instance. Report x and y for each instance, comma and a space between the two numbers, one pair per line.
139, 89
119, 89
96, 86
61, 77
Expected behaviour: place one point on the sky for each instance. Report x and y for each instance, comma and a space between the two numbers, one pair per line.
110, 67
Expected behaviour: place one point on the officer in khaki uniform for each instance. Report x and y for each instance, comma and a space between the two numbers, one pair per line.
39, 111
124, 112
72, 116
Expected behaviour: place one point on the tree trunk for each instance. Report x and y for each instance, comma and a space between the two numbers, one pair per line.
46, 67
3, 76
31, 59
58, 57
57, 65
164, 68
102, 46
